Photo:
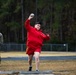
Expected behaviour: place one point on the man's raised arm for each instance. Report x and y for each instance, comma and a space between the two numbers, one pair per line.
27, 22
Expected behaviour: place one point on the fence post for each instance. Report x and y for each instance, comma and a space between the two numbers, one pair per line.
51, 47
21, 47
67, 47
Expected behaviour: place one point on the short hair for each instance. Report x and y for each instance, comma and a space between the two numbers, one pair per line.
38, 23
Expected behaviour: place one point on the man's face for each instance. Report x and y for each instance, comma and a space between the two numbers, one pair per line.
37, 26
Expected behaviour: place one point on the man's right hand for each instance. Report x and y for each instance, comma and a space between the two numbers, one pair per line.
31, 16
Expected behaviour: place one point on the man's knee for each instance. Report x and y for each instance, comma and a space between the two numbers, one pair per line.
30, 58
36, 58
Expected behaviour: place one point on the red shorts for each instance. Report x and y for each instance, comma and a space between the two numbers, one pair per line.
31, 50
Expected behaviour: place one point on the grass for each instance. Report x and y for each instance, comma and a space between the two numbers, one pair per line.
45, 53
59, 67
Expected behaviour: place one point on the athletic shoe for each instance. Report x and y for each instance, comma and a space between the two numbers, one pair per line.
37, 70
30, 69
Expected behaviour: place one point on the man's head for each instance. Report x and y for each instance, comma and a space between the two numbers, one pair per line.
37, 26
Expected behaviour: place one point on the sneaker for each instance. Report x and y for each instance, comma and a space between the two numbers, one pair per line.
37, 70
30, 69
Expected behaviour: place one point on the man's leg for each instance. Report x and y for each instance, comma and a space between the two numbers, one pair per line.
37, 54
30, 57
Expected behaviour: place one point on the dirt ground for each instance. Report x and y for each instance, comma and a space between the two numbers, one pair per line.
59, 67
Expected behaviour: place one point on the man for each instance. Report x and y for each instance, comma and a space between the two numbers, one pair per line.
1, 38
1, 41
35, 38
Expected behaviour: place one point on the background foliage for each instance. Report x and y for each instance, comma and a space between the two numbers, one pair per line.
58, 18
